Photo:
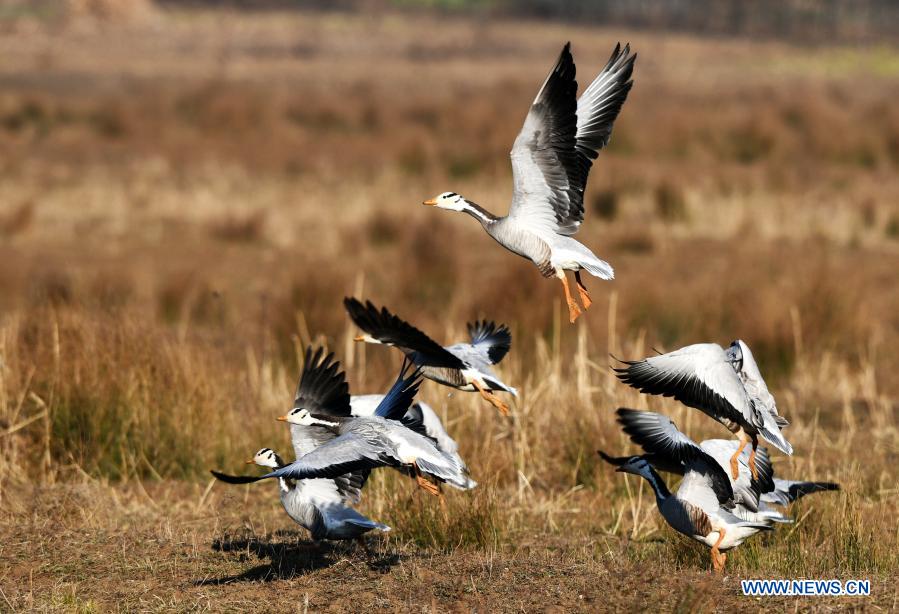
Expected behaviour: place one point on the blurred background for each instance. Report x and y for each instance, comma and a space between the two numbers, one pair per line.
189, 189
217, 176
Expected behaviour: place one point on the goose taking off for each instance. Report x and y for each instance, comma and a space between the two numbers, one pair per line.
657, 434
323, 389
464, 366
709, 507
725, 384
318, 505
362, 444
551, 158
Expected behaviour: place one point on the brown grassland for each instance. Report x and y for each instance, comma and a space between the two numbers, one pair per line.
186, 197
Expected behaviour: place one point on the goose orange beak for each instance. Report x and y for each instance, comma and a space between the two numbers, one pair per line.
430, 202
358, 338
249, 462
282, 418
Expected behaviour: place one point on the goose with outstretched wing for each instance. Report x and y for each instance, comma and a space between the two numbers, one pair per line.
381, 440
752, 497
724, 384
320, 504
709, 506
551, 159
464, 366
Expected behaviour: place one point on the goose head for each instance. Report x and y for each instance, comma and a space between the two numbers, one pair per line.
447, 200
303, 417
636, 465
266, 457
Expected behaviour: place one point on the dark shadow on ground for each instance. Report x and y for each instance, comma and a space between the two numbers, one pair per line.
289, 556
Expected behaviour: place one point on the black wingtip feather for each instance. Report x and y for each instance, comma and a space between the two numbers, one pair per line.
235, 479
322, 387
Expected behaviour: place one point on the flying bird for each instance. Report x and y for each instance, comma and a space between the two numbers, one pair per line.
551, 158
322, 506
709, 506
724, 384
364, 443
464, 366
657, 435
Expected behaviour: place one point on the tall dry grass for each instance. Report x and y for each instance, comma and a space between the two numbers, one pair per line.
179, 225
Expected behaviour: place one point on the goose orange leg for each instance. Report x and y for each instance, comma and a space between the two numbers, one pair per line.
426, 484
492, 399
752, 468
734, 465
573, 310
586, 301
718, 559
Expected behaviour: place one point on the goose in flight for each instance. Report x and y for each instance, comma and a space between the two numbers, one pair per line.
657, 435
464, 366
318, 505
551, 158
724, 384
707, 507
364, 443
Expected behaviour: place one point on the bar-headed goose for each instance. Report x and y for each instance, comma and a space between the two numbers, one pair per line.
318, 505
725, 384
364, 443
551, 158
705, 506
752, 497
465, 366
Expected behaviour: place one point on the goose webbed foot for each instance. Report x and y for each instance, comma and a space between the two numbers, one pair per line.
492, 399
426, 484
586, 301
573, 310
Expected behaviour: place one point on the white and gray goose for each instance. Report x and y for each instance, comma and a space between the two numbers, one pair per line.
381, 440
464, 366
551, 158
705, 507
319, 505
724, 384
752, 497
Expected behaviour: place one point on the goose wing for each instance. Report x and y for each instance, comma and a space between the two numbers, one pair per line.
322, 389
787, 491
658, 435
698, 376
391, 330
561, 136
490, 340
399, 398
344, 454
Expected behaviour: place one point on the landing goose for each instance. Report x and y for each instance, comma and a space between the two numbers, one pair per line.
657, 434
465, 366
725, 384
551, 158
707, 507
318, 505
702, 508
364, 443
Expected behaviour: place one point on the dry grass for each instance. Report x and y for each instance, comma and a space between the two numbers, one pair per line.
171, 234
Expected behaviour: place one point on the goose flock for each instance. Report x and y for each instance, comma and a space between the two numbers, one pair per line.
727, 492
